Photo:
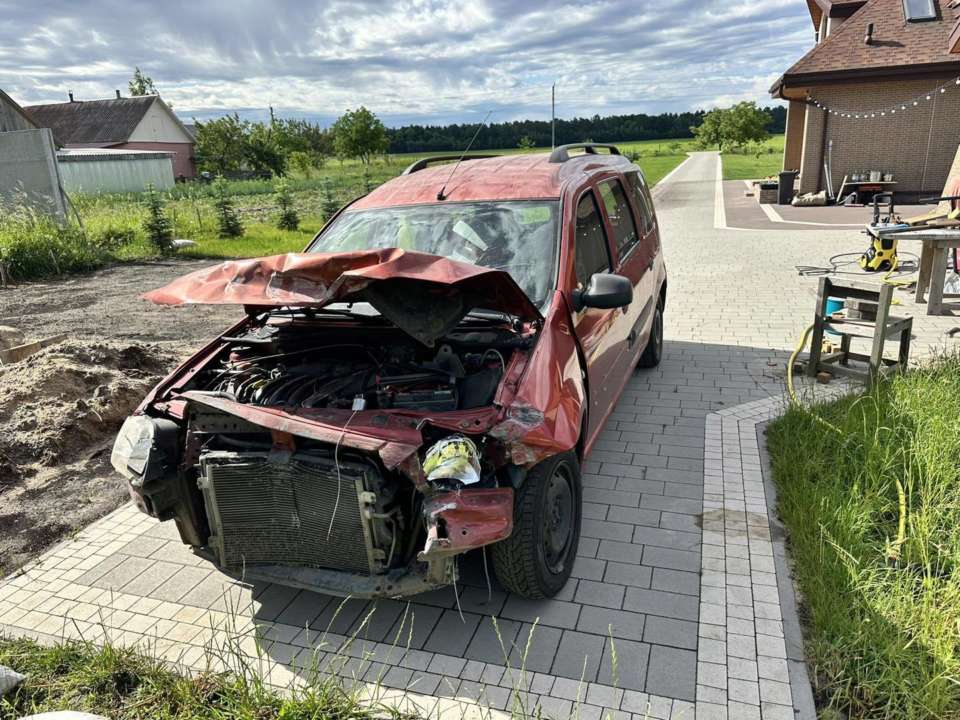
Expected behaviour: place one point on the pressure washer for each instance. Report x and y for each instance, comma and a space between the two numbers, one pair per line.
881, 254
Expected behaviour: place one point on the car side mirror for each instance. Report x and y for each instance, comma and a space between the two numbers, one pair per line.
604, 291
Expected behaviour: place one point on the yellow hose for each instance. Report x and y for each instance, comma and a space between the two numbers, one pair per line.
793, 359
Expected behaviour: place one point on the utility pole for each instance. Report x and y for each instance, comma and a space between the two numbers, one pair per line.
553, 116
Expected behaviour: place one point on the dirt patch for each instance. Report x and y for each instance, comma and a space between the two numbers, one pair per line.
59, 412
60, 409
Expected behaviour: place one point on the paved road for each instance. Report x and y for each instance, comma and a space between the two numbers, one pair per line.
674, 609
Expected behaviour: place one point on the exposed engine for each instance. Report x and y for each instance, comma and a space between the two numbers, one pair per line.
288, 365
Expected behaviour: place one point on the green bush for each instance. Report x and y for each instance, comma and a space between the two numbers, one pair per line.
157, 225
33, 245
289, 219
228, 220
112, 238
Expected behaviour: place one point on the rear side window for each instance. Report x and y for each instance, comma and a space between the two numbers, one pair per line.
638, 186
621, 218
591, 254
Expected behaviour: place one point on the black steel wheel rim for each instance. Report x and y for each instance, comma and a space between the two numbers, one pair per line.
558, 521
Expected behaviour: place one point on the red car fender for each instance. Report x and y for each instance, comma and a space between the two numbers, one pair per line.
545, 415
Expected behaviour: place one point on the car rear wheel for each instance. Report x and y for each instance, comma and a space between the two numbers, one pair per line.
537, 558
654, 349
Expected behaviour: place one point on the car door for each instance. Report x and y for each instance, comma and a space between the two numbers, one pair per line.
595, 328
641, 259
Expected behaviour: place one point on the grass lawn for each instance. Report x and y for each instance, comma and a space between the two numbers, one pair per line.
123, 684
756, 162
882, 617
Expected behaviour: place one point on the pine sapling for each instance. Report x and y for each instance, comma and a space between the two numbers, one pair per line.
157, 225
289, 219
330, 205
227, 217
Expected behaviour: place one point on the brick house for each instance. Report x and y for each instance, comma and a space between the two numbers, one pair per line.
127, 123
880, 90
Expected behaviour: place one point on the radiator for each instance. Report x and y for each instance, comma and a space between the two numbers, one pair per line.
278, 512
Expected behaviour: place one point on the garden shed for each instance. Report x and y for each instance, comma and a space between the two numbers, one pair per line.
106, 170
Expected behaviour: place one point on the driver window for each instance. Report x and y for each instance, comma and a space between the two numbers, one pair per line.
591, 254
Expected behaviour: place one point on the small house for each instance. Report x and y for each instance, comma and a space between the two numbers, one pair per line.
878, 92
143, 123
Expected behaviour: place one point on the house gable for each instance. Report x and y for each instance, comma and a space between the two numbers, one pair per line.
160, 125
12, 116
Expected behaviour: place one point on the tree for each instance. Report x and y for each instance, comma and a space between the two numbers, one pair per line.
261, 150
289, 219
359, 134
710, 132
227, 217
157, 225
330, 204
221, 144
141, 84
733, 127
526, 143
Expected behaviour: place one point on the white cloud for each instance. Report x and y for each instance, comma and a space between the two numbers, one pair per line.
411, 60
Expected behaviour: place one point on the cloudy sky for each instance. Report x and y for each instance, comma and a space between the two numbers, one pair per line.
408, 60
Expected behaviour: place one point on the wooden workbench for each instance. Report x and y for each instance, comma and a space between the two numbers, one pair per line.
933, 261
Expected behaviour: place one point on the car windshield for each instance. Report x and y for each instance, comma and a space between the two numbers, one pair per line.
518, 237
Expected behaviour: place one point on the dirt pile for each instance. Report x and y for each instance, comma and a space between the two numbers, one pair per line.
59, 412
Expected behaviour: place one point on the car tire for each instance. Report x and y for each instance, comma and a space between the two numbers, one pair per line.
537, 559
650, 357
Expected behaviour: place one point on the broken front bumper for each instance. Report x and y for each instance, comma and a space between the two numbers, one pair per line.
311, 523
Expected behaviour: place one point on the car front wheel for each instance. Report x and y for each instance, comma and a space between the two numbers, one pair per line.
537, 558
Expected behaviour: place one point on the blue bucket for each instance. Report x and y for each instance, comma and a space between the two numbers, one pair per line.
833, 305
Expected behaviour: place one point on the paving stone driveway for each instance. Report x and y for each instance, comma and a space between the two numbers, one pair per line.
673, 610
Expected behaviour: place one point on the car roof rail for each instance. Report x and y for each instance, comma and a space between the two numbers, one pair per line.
561, 153
427, 161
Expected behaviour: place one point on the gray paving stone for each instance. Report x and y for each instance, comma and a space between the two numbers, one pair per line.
493, 642
675, 521
605, 529
624, 552
604, 594
452, 633
634, 516
628, 574
624, 624
417, 625
578, 656
123, 573
548, 612
686, 583
589, 568
655, 602
672, 672
668, 631
671, 559
671, 504
660, 537
177, 584
536, 648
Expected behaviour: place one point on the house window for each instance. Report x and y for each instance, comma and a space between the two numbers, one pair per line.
919, 10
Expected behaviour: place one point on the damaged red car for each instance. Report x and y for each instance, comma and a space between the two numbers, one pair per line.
425, 379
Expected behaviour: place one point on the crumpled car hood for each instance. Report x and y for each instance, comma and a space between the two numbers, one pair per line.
424, 295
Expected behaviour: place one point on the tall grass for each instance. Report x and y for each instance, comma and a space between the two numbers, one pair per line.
883, 619
33, 245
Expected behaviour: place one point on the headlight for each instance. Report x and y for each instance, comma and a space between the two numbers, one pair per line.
145, 449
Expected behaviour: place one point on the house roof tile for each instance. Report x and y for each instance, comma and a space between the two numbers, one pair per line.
897, 44
92, 121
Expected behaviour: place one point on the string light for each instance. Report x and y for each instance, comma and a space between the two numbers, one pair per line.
857, 115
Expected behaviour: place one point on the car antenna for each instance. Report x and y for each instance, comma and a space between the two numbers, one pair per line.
440, 195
